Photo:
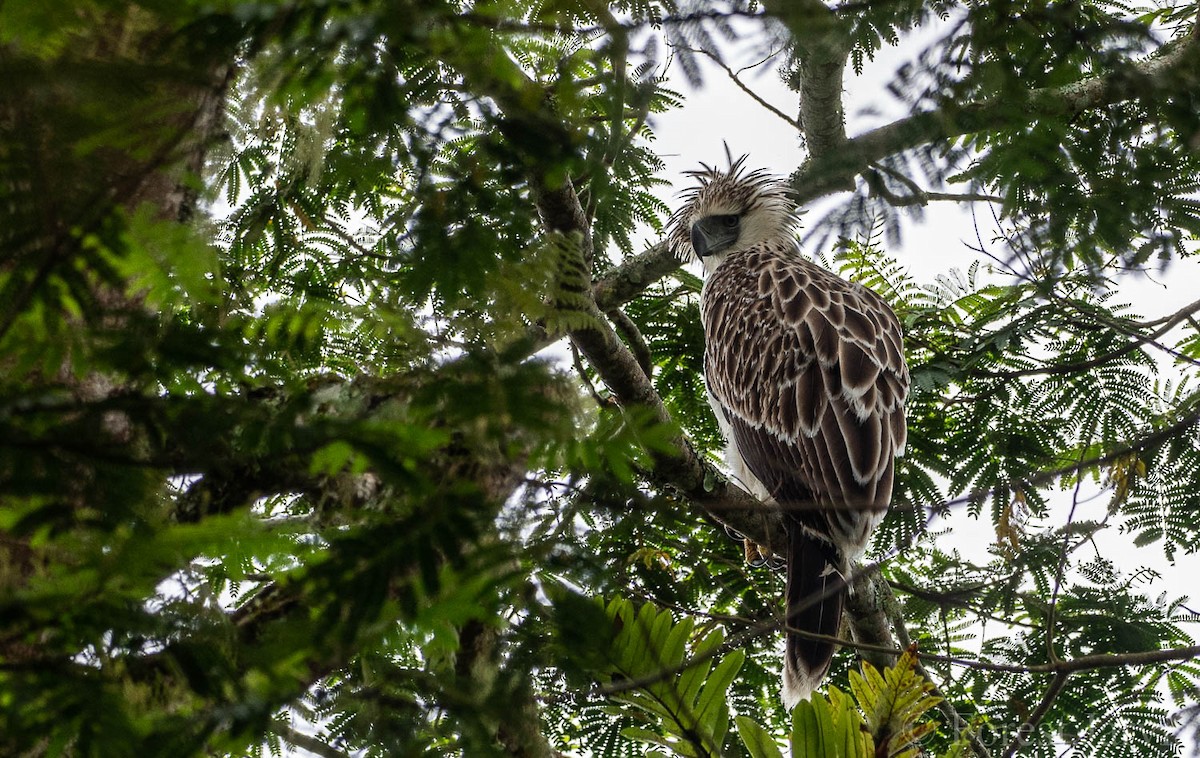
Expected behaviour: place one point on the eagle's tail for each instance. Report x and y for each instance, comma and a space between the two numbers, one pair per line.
816, 590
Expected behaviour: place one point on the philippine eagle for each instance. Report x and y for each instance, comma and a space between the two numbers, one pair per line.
805, 372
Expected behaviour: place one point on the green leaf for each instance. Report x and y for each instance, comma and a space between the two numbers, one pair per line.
758, 741
829, 728
675, 681
893, 703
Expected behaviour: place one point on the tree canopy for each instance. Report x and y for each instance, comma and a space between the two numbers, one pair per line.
286, 463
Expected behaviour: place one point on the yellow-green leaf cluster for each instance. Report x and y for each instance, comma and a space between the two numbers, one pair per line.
893, 703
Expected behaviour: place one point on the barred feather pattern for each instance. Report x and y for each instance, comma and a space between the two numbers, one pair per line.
815, 363
806, 374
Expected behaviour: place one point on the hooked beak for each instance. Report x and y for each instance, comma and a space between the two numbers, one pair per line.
713, 234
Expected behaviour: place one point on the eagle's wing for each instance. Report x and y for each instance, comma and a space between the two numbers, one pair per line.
808, 370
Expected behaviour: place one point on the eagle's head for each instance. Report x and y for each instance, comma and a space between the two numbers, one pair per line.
731, 210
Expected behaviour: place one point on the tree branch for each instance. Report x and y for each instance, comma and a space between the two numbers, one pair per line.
530, 120
633, 338
681, 469
819, 176
478, 665
1166, 324
306, 742
1073, 665
1148, 79
1043, 707
1184, 422
952, 599
632, 276
916, 195
822, 46
832, 164
869, 612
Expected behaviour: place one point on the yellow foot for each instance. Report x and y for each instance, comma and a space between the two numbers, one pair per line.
756, 555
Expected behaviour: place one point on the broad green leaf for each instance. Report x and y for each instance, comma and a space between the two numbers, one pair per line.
758, 741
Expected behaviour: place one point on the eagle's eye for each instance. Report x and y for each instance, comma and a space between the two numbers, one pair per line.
728, 221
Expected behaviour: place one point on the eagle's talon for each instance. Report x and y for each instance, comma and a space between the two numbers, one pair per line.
757, 555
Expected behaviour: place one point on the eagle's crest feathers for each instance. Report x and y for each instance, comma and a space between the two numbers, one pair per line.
762, 200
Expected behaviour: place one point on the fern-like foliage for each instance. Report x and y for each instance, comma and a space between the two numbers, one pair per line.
278, 470
666, 670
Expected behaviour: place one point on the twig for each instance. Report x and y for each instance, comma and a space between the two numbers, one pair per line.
757, 630
945, 598
917, 195
1052, 692
1052, 611
1167, 324
1119, 451
794, 123
527, 27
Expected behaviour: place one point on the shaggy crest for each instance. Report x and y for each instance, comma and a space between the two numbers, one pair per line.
759, 196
